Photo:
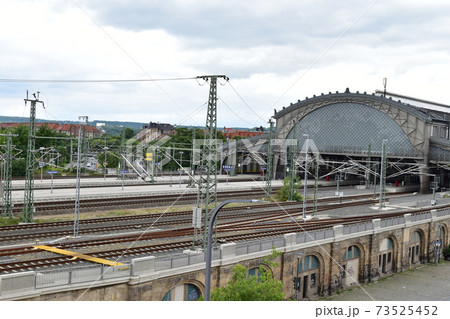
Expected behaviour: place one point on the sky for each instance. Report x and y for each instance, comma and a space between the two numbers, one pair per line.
274, 53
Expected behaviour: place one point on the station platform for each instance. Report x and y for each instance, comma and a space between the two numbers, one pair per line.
112, 187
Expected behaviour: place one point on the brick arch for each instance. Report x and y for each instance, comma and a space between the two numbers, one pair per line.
198, 284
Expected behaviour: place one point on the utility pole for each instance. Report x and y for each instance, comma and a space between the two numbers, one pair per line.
28, 202
7, 195
76, 224
269, 162
207, 182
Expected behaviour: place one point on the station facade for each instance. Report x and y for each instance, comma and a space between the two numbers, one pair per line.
348, 131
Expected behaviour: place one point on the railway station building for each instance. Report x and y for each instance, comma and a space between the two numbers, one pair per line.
346, 133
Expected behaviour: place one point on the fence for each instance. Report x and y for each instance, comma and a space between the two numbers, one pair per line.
356, 228
79, 274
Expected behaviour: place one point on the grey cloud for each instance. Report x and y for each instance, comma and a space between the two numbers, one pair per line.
226, 23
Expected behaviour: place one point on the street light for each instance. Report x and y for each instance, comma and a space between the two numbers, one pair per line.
209, 241
297, 279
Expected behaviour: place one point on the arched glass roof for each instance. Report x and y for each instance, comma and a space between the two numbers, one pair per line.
351, 127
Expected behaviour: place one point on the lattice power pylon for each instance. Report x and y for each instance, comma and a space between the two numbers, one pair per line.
28, 202
7, 195
207, 181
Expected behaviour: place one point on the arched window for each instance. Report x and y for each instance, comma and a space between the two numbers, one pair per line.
309, 263
186, 292
253, 271
352, 252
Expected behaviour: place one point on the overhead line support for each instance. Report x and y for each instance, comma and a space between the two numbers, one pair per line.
207, 182
28, 207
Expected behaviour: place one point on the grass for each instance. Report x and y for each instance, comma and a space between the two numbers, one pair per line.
8, 221
112, 213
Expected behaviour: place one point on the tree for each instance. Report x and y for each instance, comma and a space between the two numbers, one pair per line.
283, 192
245, 287
20, 142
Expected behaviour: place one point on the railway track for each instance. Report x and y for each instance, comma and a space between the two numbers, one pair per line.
238, 227
63, 206
30, 232
225, 234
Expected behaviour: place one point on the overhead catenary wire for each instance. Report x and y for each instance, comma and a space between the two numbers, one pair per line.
231, 110
94, 80
245, 103
130, 57
321, 55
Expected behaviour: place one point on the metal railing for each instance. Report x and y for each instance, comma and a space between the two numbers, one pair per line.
80, 274
92, 273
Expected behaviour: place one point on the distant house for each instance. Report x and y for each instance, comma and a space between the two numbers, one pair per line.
69, 129
154, 131
72, 130
230, 133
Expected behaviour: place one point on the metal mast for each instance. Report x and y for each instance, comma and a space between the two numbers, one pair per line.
207, 182
28, 207
306, 177
7, 199
191, 174
369, 166
76, 223
269, 162
293, 168
122, 149
383, 174
316, 184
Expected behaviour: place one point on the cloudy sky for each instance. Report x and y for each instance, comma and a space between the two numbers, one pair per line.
274, 53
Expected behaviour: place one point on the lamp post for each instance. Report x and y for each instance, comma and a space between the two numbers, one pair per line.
297, 278
209, 240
